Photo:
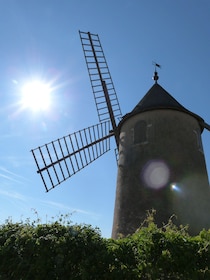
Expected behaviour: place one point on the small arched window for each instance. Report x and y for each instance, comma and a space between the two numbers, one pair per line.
140, 132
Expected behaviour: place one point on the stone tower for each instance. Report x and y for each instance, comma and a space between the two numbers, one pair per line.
161, 165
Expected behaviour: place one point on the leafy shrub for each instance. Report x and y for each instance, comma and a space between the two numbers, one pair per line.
60, 250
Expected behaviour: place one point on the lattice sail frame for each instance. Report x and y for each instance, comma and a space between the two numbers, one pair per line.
106, 100
60, 159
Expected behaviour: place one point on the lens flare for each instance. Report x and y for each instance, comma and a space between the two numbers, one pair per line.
156, 174
175, 188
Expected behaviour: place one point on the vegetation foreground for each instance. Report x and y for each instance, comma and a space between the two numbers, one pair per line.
60, 250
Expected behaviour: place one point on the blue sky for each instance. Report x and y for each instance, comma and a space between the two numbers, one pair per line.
40, 40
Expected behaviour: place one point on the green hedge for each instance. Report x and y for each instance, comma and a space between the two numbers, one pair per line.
59, 250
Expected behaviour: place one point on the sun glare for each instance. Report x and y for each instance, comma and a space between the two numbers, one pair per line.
35, 95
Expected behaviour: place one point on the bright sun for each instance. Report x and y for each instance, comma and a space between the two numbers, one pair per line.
35, 95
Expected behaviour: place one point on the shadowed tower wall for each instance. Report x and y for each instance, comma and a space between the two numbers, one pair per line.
161, 167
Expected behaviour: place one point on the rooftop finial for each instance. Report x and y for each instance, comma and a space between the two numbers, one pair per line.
155, 77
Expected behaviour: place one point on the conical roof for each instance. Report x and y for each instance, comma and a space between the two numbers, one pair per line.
158, 98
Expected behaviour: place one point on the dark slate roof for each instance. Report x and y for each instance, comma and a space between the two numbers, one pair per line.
158, 98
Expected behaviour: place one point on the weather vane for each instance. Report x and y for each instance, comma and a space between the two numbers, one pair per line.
155, 77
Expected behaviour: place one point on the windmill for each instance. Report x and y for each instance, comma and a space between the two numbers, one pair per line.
150, 166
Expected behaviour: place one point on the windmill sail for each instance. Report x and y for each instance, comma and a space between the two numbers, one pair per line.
62, 158
207, 126
105, 96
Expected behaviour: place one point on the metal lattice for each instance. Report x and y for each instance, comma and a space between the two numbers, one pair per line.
60, 159
99, 76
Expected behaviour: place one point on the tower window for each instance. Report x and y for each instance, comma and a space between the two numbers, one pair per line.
140, 132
